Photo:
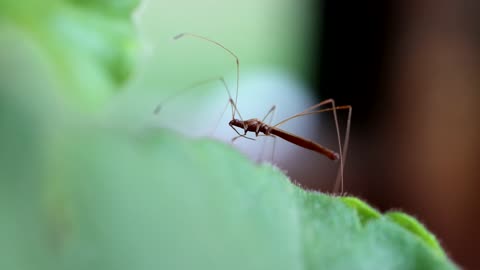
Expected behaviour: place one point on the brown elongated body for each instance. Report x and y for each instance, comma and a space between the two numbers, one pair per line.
257, 126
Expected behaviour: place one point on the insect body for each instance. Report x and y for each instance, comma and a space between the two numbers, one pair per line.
259, 126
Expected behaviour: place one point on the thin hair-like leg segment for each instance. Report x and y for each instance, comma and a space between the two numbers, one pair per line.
345, 145
229, 97
241, 135
226, 105
244, 128
236, 109
270, 113
304, 112
190, 88
311, 110
220, 118
345, 139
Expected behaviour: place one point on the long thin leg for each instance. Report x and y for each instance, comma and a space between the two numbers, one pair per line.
230, 101
235, 109
270, 113
193, 86
345, 148
308, 111
244, 128
274, 137
273, 150
240, 135
274, 140
339, 180
345, 140
220, 118
190, 88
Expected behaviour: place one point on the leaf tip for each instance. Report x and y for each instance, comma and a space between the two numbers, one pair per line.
365, 212
414, 226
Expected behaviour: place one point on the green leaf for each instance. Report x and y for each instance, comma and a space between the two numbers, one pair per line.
89, 45
416, 228
77, 194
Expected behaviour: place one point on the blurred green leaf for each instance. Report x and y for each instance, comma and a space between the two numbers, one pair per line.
90, 44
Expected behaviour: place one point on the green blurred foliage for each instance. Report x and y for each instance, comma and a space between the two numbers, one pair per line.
269, 34
77, 192
89, 44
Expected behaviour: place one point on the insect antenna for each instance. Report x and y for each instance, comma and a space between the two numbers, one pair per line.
221, 46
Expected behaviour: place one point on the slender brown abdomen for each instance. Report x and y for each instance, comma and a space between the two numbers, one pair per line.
304, 143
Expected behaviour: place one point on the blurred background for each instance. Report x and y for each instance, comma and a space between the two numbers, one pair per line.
410, 69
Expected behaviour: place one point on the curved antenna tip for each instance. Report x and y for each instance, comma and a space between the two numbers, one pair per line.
178, 36
157, 109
